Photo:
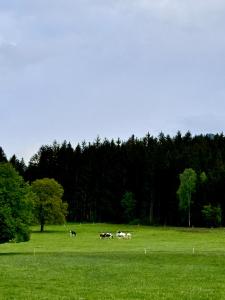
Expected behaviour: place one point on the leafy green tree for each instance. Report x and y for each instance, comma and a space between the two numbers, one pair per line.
203, 178
128, 203
187, 186
212, 215
48, 207
16, 202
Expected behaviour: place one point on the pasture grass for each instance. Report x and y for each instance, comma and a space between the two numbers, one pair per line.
157, 263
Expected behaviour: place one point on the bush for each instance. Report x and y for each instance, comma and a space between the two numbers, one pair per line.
135, 222
22, 233
212, 215
7, 231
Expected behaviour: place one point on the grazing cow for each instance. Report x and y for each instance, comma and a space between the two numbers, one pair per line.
107, 235
72, 233
123, 235
120, 234
128, 235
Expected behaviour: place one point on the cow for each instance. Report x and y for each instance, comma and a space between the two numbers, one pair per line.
73, 233
128, 235
120, 234
123, 235
107, 235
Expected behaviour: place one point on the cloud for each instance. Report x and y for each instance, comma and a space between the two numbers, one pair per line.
73, 69
189, 12
45, 29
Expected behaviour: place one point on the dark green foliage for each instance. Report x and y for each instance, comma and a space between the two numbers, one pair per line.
95, 176
212, 215
2, 155
128, 204
16, 202
22, 232
19, 165
7, 228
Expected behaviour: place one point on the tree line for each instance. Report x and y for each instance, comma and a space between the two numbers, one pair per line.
134, 181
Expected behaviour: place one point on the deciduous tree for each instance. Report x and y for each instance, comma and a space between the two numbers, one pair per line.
16, 201
48, 207
187, 186
212, 215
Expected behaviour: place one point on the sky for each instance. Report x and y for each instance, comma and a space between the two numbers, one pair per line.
77, 69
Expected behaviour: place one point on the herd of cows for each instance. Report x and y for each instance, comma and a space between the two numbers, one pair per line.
108, 235
119, 234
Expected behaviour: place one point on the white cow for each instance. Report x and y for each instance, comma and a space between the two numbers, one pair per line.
128, 235
123, 235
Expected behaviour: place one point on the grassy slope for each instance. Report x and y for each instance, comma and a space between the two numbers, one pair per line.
54, 266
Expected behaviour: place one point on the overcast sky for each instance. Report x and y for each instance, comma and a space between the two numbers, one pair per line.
74, 69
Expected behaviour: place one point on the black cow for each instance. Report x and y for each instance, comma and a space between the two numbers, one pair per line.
107, 235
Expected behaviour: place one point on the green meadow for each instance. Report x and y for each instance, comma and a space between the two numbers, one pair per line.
157, 263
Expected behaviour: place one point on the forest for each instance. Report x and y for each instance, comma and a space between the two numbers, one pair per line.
99, 178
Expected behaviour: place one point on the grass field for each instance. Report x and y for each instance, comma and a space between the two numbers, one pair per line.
157, 263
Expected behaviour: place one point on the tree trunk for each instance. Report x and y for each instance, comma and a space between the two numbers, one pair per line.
189, 211
42, 227
42, 218
189, 217
151, 216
